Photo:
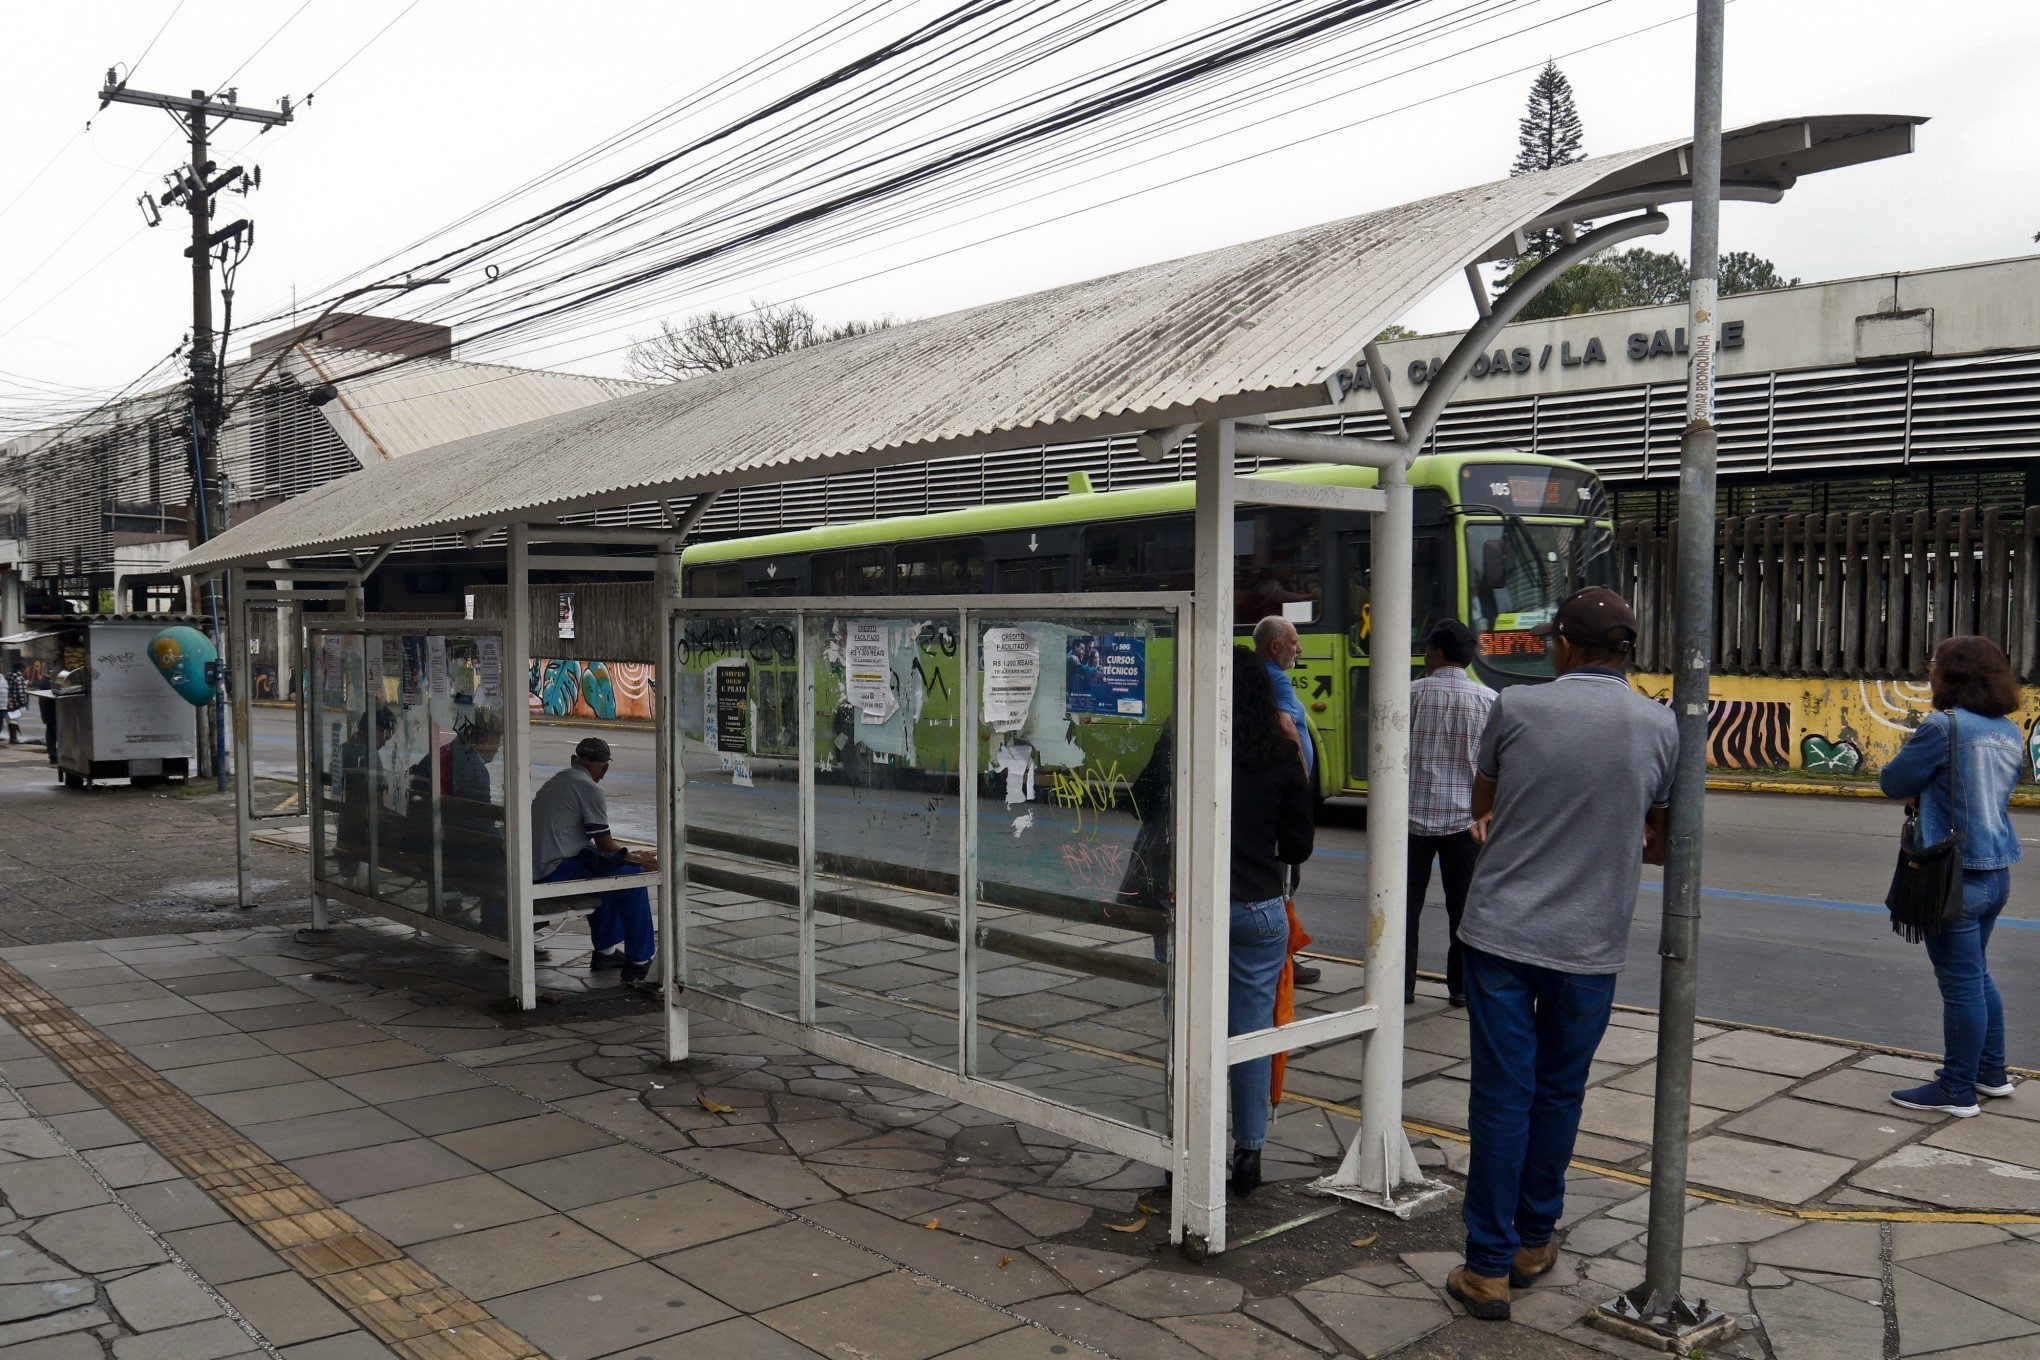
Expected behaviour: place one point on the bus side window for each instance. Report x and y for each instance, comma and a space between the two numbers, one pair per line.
853, 571
1141, 554
1278, 567
723, 581
949, 567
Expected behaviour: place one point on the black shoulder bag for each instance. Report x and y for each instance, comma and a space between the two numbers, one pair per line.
1926, 887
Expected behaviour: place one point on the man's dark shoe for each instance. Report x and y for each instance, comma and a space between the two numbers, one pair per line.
1246, 1171
1306, 976
599, 961
1486, 1297
1456, 1000
635, 972
1532, 1264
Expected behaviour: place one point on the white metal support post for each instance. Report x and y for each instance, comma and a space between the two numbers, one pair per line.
1380, 1168
517, 766
1203, 931
672, 892
239, 678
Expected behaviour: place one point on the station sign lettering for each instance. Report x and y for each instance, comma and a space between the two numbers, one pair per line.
1637, 347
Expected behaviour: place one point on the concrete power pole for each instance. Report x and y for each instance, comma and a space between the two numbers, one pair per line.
197, 114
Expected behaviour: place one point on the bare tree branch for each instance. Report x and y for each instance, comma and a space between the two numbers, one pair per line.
712, 341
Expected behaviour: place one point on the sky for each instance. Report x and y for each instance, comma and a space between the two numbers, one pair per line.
426, 111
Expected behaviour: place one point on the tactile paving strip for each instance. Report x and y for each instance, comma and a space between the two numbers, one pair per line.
404, 1305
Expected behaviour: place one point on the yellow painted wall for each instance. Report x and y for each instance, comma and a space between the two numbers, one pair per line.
1826, 727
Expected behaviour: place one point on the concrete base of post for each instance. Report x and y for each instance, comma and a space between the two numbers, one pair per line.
1685, 1327
1386, 1178
1406, 1202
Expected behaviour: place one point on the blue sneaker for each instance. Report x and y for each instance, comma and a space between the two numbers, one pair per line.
1934, 1097
1998, 1089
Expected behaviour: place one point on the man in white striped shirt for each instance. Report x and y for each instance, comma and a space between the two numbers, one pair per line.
1448, 712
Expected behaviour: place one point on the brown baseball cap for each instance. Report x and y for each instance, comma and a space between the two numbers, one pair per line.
1592, 616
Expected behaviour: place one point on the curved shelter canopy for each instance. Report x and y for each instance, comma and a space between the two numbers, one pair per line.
1246, 330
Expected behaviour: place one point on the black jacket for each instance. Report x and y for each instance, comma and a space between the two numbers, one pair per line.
1272, 826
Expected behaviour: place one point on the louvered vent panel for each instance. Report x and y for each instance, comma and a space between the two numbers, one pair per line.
1838, 418
1976, 408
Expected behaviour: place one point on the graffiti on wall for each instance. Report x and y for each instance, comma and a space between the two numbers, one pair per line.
1836, 728
591, 689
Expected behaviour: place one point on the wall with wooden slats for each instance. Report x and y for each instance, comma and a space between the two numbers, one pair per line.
1849, 594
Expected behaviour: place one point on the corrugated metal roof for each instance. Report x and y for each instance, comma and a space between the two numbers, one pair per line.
429, 402
1248, 329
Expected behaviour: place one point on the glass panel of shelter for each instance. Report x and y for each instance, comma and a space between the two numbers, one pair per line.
736, 735
1071, 949
406, 752
886, 832
343, 737
467, 772
279, 789
405, 859
1073, 782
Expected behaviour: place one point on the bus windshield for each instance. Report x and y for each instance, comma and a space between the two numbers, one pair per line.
1517, 573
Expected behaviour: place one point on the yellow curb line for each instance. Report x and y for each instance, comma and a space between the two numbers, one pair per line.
1862, 1045
1734, 784
1637, 1178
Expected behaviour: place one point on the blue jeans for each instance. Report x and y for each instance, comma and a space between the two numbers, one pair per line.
1972, 1016
1534, 1032
1260, 941
623, 921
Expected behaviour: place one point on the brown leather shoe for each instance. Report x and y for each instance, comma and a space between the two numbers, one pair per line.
1485, 1296
1532, 1264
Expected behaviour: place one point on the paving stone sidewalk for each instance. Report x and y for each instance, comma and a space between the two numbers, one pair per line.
550, 1177
223, 1138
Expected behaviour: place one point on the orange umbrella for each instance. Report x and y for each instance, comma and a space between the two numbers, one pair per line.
1285, 994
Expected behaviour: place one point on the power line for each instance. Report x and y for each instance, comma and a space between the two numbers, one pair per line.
1152, 188
1278, 31
261, 48
136, 64
132, 68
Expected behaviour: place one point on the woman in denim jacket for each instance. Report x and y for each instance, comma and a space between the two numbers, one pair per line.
1973, 688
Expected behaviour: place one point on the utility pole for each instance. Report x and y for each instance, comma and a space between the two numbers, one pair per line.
197, 115
1656, 1311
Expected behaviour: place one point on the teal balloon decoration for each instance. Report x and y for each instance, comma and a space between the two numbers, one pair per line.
188, 663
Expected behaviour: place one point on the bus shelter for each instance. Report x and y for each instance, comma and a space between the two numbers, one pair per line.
905, 833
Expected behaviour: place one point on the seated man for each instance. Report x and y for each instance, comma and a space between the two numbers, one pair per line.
570, 840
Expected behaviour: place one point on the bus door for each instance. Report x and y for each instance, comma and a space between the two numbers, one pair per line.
1033, 576
1432, 599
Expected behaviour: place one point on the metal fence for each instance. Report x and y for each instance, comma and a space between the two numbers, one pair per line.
1864, 593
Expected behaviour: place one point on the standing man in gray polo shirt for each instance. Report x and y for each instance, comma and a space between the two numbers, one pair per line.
1569, 798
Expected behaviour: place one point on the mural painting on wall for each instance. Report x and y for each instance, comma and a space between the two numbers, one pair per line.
1844, 729
591, 689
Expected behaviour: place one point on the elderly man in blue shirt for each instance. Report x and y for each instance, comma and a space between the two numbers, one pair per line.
1276, 643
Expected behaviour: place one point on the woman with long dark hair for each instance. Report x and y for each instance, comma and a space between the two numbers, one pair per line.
1973, 688
1271, 830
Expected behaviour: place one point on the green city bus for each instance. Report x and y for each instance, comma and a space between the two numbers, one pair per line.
1501, 538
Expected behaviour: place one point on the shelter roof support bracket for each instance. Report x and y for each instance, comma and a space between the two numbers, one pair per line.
1458, 364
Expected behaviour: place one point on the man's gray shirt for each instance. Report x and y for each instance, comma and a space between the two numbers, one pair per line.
568, 811
1577, 764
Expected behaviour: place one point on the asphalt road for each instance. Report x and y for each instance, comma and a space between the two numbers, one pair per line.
1794, 933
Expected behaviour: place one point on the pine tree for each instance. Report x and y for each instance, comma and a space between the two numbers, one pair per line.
1550, 133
